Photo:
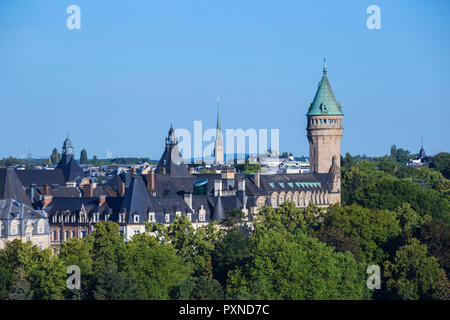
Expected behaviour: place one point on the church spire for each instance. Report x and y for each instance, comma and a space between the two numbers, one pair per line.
218, 145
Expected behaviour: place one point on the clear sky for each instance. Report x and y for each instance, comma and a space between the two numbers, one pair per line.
135, 67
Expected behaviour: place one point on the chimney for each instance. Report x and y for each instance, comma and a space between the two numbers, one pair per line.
122, 188
46, 190
218, 188
32, 188
101, 200
188, 199
46, 200
258, 179
88, 190
151, 182
241, 192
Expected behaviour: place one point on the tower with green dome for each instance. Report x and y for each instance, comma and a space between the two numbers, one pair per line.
324, 129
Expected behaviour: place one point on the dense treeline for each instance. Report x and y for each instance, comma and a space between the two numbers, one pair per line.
393, 216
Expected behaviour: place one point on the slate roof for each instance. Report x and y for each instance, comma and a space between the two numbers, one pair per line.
41, 177
91, 204
219, 212
171, 162
11, 209
11, 187
71, 170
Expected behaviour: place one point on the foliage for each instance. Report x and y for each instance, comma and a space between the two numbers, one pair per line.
414, 275
304, 269
365, 229
441, 163
83, 157
198, 288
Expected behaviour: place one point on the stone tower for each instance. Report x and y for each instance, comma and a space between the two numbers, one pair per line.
324, 129
218, 145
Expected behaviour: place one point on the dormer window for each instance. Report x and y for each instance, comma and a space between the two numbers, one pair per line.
136, 218
121, 217
167, 217
151, 217
201, 217
189, 216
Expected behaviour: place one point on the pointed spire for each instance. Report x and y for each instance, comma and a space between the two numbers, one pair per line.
218, 127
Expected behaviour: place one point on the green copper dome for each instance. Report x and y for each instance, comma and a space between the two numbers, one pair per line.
324, 102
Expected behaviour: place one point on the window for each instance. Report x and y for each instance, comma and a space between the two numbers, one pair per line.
54, 218
167, 217
55, 236
40, 245
61, 236
201, 217
189, 216
66, 218
66, 235
328, 121
40, 228
14, 228
83, 219
136, 218
73, 234
136, 232
83, 234
274, 202
151, 217
178, 213
320, 121
121, 217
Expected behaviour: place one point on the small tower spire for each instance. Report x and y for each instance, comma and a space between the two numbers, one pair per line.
324, 67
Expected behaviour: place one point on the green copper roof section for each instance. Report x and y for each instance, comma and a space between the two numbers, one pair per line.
290, 184
281, 184
271, 184
324, 102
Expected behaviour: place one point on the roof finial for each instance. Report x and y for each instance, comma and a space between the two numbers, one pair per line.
324, 67
218, 99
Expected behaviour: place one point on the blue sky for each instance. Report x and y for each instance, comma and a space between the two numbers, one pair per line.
135, 67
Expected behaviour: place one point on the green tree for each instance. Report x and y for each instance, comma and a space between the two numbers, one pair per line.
114, 285
198, 288
83, 157
43, 270
436, 237
154, 266
414, 275
369, 229
21, 288
304, 269
232, 251
107, 247
441, 163
55, 156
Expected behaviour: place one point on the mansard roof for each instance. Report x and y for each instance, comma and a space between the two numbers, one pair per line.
41, 177
90, 204
13, 209
11, 187
288, 182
